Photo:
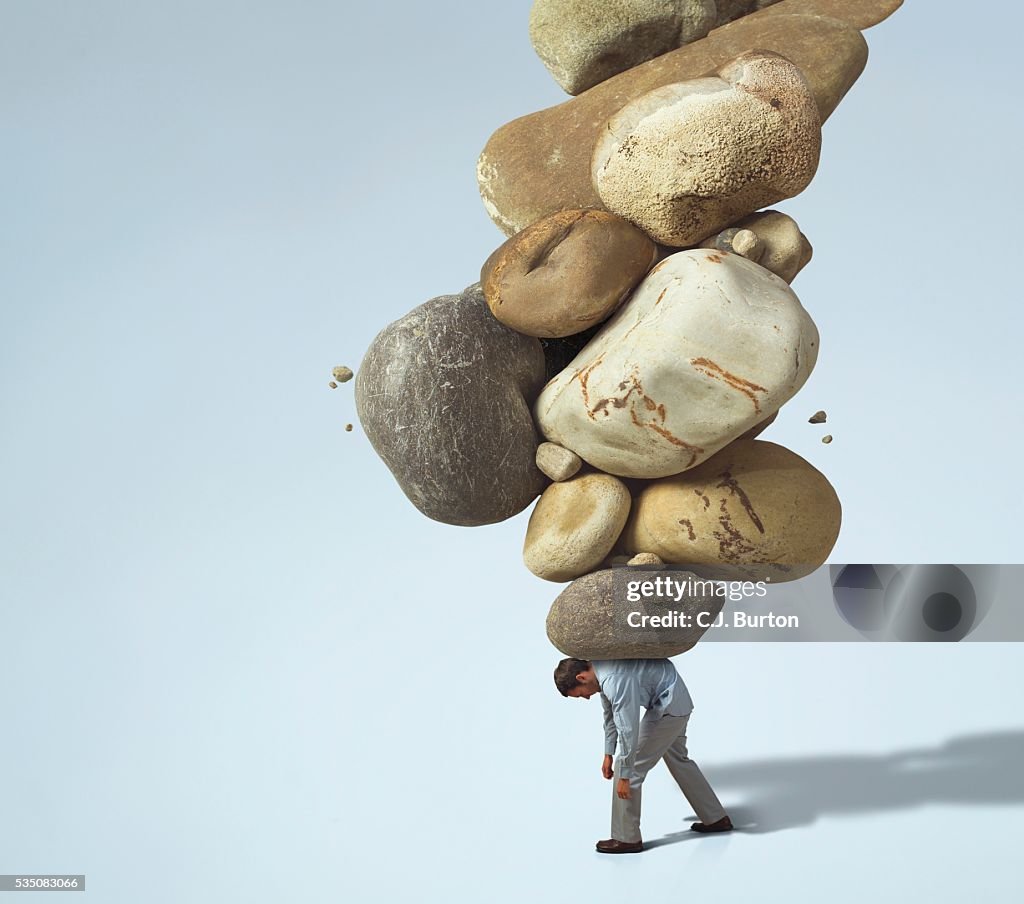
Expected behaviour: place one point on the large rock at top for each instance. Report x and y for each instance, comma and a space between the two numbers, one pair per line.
583, 42
686, 160
540, 163
590, 619
566, 273
755, 511
444, 396
707, 346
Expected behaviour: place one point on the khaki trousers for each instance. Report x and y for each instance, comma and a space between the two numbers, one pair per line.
659, 738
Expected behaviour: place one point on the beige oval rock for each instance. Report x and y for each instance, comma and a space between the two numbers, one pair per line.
708, 346
590, 618
575, 525
686, 160
540, 163
565, 273
753, 511
557, 462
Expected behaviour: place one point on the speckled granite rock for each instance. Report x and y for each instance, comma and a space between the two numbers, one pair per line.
565, 273
540, 163
589, 619
752, 511
443, 395
686, 160
575, 525
583, 42
708, 346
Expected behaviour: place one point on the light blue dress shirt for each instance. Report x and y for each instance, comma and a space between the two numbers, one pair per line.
628, 684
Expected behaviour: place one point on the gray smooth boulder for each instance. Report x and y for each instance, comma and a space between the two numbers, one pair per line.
591, 618
444, 396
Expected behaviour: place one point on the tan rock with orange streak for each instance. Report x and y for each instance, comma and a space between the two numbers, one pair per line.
706, 347
754, 511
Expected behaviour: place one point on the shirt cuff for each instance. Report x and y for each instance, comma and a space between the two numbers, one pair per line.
623, 769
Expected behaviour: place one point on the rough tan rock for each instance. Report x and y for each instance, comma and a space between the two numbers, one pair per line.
583, 42
575, 525
557, 462
565, 273
540, 163
342, 374
755, 510
708, 346
819, 417
685, 160
590, 618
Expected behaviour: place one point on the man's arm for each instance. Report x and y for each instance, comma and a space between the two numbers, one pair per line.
611, 736
624, 697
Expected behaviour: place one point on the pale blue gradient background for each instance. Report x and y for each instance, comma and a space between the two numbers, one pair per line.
238, 665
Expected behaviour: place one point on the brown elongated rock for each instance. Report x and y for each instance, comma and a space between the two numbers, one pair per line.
591, 618
686, 160
755, 510
566, 273
444, 396
540, 163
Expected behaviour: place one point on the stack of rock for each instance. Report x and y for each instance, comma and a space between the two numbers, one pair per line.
637, 331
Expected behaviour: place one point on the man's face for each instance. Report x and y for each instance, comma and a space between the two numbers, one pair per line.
587, 685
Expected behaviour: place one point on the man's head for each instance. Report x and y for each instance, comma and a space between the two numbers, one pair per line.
576, 678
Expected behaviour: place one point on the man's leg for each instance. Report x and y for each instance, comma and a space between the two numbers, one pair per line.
655, 739
691, 780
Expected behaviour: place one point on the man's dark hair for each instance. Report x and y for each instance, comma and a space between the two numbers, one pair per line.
566, 672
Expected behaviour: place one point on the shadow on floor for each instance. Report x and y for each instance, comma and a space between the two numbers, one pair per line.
790, 792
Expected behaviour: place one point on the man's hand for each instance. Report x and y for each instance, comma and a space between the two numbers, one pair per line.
606, 767
623, 789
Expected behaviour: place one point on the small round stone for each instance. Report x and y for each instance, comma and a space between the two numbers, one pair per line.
333, 385
348, 428
747, 243
827, 438
342, 374
646, 558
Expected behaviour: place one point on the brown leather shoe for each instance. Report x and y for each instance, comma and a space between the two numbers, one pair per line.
611, 846
722, 825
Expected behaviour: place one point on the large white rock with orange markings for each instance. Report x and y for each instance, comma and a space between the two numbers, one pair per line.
707, 346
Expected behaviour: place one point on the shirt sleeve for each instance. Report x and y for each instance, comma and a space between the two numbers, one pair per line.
611, 735
624, 697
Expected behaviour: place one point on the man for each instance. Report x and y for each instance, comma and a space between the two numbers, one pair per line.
625, 685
